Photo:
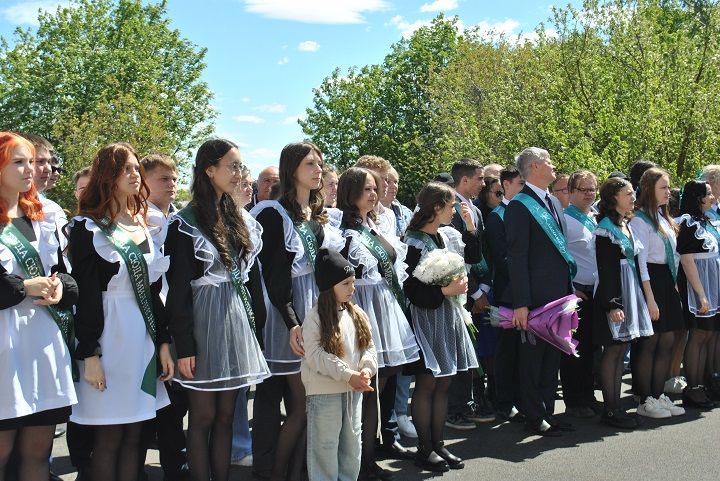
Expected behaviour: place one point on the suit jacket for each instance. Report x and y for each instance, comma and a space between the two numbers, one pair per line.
496, 249
474, 281
538, 273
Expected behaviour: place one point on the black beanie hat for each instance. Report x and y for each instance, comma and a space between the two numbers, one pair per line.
331, 268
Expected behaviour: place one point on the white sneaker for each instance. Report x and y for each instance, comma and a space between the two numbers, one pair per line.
667, 403
247, 461
675, 385
651, 408
406, 427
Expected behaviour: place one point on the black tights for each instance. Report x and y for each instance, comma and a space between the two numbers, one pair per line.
611, 369
713, 355
370, 414
696, 353
290, 451
209, 439
654, 355
115, 454
429, 409
33, 443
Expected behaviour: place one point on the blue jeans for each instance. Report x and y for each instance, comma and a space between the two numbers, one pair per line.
402, 394
241, 440
333, 436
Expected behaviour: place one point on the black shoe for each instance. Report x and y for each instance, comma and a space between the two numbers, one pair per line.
431, 461
373, 472
513, 415
54, 477
543, 429
453, 461
695, 397
560, 425
581, 412
181, 475
618, 419
394, 451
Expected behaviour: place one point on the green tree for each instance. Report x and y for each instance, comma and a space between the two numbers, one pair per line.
102, 71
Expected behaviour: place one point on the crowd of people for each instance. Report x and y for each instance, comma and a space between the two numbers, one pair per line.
311, 286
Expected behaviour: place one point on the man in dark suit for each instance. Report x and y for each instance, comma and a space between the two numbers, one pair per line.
539, 268
468, 179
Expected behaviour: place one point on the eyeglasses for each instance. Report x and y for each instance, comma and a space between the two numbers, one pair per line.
235, 168
564, 191
587, 191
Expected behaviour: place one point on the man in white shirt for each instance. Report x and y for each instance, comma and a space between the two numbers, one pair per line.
576, 374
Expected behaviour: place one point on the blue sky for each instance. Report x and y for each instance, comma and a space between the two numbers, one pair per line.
265, 56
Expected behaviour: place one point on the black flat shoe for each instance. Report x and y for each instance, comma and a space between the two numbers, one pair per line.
453, 461
394, 451
431, 462
618, 419
561, 425
696, 398
373, 472
550, 432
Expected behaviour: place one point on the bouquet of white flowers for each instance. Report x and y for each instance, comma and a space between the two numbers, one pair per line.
439, 268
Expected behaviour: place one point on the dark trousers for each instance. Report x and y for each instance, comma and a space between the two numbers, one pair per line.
576, 373
266, 422
460, 393
168, 426
507, 391
538, 374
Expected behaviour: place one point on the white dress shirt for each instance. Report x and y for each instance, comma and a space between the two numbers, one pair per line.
581, 243
543, 194
653, 251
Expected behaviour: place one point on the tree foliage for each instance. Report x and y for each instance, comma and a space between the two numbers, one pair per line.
103, 71
599, 87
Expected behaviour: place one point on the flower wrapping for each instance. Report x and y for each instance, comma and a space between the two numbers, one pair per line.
440, 267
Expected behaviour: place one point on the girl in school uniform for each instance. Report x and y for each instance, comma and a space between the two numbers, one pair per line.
339, 361
211, 315
36, 298
620, 314
122, 338
294, 229
438, 322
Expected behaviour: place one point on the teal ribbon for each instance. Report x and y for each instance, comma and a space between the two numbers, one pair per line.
140, 280
187, 213
712, 214
500, 211
309, 241
29, 259
669, 251
586, 220
550, 226
388, 271
626, 244
711, 229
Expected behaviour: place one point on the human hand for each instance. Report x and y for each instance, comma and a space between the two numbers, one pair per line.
456, 287
186, 366
166, 361
360, 382
704, 305
296, 341
520, 318
94, 373
480, 304
616, 315
40, 286
653, 309
467, 217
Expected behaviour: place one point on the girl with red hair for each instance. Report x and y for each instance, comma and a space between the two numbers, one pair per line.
36, 298
120, 329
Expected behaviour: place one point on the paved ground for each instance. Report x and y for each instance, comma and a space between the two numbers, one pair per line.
683, 448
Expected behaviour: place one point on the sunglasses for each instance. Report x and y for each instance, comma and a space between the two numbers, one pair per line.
498, 194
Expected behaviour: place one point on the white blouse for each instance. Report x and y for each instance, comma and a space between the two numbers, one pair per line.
654, 246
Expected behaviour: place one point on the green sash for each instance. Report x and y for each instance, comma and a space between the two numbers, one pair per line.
388, 270
550, 226
309, 241
140, 280
422, 237
500, 211
481, 268
669, 251
586, 220
29, 259
627, 245
712, 214
188, 215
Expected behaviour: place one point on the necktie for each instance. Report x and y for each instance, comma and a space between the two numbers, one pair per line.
552, 208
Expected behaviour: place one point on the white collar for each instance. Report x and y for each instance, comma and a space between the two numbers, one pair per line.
505, 201
538, 191
461, 197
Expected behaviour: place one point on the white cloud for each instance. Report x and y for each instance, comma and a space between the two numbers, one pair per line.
263, 153
309, 46
271, 108
316, 11
293, 119
407, 28
439, 6
27, 12
250, 119
283, 61
245, 99
505, 28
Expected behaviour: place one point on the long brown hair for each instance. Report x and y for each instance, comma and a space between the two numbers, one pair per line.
351, 187
220, 220
647, 201
433, 196
330, 337
290, 158
27, 201
98, 198
608, 202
